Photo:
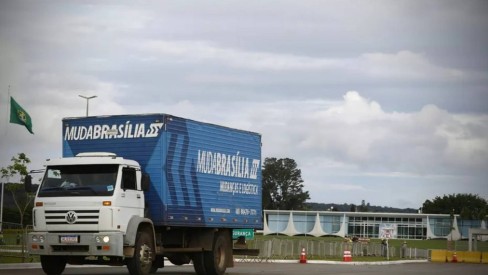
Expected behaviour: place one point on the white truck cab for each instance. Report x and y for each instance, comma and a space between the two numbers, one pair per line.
84, 208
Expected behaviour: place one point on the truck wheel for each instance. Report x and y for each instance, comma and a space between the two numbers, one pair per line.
141, 262
157, 263
216, 260
198, 264
53, 265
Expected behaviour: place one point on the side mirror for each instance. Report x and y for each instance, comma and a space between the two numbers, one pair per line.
145, 182
28, 183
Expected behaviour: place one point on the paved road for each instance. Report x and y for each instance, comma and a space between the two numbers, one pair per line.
279, 268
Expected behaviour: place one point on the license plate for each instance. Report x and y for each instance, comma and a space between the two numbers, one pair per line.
68, 239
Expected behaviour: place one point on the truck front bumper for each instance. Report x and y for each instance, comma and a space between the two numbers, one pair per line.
76, 244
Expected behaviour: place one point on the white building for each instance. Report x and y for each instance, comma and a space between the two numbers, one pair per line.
368, 224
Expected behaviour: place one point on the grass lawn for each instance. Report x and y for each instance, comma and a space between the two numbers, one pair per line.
17, 259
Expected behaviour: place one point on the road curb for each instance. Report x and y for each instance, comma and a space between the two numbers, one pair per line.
20, 266
344, 263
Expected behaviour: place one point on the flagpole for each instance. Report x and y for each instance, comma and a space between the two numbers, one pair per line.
3, 189
8, 112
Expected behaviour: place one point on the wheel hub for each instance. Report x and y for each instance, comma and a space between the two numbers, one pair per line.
145, 255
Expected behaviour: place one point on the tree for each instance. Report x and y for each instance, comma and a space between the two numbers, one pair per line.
468, 206
363, 207
283, 185
21, 200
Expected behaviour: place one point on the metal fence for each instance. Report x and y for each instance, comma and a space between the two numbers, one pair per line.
318, 249
12, 242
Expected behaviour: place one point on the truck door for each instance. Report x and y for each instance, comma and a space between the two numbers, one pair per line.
132, 199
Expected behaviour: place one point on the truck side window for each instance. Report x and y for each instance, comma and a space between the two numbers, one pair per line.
129, 178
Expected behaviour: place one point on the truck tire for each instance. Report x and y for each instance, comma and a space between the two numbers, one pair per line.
153, 269
216, 260
142, 261
156, 264
198, 263
53, 265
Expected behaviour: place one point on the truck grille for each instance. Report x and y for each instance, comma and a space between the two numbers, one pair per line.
70, 248
72, 216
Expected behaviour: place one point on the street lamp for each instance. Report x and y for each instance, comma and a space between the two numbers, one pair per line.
87, 101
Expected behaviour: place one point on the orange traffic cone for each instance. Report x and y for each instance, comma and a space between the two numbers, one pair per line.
303, 256
347, 256
454, 258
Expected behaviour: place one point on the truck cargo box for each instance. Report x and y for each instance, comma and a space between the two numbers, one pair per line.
202, 175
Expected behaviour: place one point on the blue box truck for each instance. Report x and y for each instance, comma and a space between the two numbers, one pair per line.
135, 189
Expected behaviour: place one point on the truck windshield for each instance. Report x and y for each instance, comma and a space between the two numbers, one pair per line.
79, 180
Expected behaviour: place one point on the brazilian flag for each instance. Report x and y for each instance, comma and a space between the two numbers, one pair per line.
19, 116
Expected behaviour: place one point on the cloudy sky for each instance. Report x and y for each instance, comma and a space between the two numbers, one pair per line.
382, 101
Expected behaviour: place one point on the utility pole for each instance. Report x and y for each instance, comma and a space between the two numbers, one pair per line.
87, 101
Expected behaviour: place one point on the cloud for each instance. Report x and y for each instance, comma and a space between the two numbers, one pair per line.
358, 132
344, 187
198, 51
404, 65
354, 109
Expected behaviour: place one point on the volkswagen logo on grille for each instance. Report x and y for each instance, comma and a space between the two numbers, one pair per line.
71, 217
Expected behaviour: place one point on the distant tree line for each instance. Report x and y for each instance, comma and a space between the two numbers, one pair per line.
468, 206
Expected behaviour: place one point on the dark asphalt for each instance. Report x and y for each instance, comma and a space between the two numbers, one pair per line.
278, 268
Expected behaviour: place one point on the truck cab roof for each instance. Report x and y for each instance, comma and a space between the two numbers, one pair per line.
88, 158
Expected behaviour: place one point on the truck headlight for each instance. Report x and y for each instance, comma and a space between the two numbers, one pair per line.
104, 239
37, 238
